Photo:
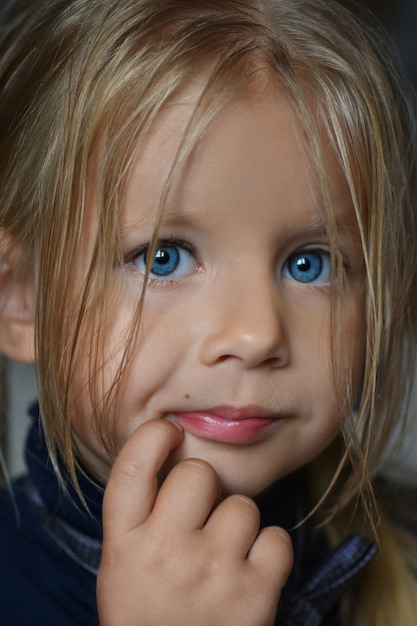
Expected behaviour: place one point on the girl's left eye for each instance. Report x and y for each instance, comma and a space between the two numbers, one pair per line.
309, 267
170, 261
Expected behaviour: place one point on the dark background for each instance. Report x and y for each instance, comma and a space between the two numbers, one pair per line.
399, 17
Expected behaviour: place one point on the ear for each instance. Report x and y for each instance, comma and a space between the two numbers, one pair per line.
17, 303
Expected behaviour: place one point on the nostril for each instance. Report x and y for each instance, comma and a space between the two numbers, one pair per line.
253, 335
275, 362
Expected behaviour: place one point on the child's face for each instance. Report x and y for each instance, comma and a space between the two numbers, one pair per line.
234, 342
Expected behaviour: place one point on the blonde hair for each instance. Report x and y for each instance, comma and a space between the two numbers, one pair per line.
81, 82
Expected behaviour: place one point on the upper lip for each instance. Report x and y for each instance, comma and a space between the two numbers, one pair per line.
237, 413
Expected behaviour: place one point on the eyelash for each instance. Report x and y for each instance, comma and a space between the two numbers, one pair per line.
168, 243
309, 260
177, 244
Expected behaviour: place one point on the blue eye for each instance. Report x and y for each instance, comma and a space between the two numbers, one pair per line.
170, 261
308, 266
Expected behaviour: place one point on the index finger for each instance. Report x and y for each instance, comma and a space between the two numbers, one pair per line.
132, 485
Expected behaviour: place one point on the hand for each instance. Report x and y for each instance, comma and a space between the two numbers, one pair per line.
180, 556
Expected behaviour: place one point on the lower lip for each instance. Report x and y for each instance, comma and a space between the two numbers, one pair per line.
215, 428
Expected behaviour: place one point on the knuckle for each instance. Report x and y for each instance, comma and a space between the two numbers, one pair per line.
126, 470
245, 504
281, 539
197, 474
197, 467
154, 426
278, 555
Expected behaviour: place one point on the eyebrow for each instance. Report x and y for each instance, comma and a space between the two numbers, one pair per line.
171, 217
176, 217
318, 226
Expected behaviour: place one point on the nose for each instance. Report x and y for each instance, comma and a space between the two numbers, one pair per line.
246, 324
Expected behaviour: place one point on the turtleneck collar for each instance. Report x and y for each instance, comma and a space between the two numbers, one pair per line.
64, 517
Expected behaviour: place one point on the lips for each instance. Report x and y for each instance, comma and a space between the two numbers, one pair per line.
228, 424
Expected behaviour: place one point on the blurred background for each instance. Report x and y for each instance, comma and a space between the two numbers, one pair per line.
399, 17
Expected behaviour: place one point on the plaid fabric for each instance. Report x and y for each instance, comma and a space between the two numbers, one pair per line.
311, 603
307, 606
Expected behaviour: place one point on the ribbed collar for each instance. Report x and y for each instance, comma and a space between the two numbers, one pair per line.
78, 531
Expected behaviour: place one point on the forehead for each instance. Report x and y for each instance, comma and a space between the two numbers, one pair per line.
254, 136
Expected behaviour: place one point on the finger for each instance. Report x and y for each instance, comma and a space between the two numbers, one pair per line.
187, 495
272, 554
234, 525
132, 485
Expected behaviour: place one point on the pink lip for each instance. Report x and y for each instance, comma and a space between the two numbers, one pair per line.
227, 424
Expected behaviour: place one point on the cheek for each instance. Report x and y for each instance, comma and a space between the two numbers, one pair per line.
347, 351
99, 359
354, 342
332, 354
155, 354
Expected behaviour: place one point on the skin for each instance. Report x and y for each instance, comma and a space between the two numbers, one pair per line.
233, 327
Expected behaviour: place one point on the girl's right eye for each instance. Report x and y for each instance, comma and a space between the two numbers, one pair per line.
171, 261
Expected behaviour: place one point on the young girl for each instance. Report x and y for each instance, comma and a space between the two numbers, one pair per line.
208, 251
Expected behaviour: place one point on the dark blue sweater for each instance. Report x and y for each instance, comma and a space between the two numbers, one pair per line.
42, 582
50, 551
